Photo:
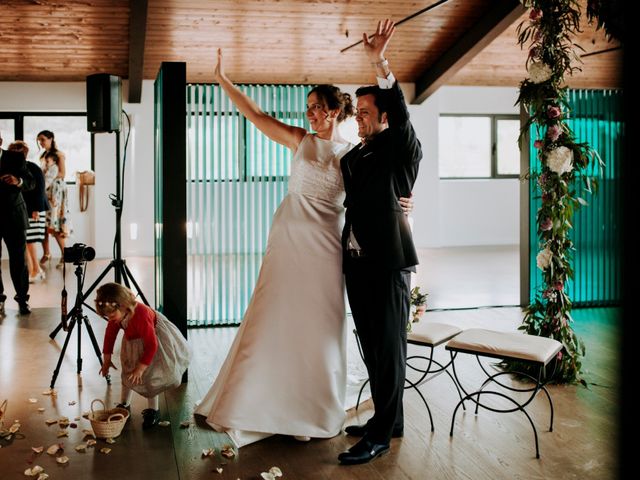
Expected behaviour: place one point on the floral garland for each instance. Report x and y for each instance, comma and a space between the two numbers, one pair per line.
549, 29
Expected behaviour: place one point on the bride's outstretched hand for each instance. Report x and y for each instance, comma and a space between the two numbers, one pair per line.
376, 45
218, 73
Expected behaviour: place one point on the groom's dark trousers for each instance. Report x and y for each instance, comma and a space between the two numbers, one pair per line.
377, 275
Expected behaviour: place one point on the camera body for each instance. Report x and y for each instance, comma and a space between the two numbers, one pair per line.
78, 253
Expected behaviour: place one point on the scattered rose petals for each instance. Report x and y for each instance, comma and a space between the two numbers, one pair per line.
110, 440
14, 428
62, 460
185, 424
227, 452
33, 400
88, 432
219, 469
85, 414
43, 476
50, 421
53, 449
33, 471
105, 450
272, 474
207, 452
91, 443
275, 471
81, 448
164, 423
37, 449
51, 392
72, 402
41, 409
63, 433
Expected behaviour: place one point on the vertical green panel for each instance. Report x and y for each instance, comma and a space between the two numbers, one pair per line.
596, 119
158, 204
236, 179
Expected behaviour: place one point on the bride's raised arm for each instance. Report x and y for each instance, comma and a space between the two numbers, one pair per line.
280, 132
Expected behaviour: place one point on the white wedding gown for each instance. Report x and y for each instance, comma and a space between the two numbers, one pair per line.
286, 370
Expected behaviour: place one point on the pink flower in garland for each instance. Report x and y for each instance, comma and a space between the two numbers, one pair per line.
535, 14
542, 179
554, 132
538, 144
559, 286
553, 111
546, 225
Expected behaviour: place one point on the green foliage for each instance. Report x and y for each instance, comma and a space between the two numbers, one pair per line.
549, 31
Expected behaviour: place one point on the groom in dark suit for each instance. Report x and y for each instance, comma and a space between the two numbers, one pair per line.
14, 178
378, 250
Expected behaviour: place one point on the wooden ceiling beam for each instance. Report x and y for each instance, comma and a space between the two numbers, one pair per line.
501, 15
137, 31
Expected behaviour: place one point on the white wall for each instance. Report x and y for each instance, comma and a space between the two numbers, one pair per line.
463, 212
96, 226
449, 212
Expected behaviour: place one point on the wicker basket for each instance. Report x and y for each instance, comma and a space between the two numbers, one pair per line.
3, 409
107, 423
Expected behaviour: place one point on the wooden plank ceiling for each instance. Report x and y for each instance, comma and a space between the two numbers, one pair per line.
266, 41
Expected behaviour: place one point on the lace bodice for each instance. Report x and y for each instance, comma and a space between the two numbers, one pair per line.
315, 170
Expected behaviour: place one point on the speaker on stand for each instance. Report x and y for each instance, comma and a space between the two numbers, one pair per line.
104, 113
104, 103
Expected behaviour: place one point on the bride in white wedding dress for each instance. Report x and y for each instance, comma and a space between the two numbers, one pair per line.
285, 372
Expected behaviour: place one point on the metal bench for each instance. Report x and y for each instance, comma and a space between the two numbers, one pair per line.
530, 349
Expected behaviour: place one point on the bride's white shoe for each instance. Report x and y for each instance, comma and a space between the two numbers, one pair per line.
302, 438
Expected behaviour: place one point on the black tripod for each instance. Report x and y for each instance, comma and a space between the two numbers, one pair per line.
76, 318
121, 271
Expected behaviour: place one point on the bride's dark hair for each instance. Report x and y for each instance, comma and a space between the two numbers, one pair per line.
335, 99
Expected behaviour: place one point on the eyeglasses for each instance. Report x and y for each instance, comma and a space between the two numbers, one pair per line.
314, 107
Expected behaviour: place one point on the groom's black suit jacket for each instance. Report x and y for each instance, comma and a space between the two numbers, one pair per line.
375, 176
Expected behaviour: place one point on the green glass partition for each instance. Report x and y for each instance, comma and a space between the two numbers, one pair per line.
236, 178
596, 118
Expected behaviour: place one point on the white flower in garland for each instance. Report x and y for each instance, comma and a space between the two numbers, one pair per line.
539, 72
560, 160
543, 259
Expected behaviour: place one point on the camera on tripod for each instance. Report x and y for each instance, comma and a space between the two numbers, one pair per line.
78, 254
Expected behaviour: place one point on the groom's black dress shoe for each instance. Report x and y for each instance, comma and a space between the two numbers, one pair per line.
362, 452
361, 430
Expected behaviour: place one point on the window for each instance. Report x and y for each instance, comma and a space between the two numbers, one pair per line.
478, 146
7, 131
222, 145
71, 135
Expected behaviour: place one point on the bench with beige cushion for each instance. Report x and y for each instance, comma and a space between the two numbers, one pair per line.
535, 351
429, 335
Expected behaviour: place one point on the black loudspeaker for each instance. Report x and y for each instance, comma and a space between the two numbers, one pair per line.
104, 103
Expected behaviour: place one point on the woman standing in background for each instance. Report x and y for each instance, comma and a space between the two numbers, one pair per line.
58, 218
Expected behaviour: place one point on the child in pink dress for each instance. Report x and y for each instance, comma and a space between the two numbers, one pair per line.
153, 352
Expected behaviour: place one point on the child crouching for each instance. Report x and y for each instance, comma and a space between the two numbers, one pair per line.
153, 352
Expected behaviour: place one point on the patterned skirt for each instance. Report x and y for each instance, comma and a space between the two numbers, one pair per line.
37, 228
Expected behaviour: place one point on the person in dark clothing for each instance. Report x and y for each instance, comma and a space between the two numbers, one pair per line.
14, 179
37, 206
378, 249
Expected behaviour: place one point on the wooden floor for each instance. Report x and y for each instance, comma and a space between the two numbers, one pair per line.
583, 444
